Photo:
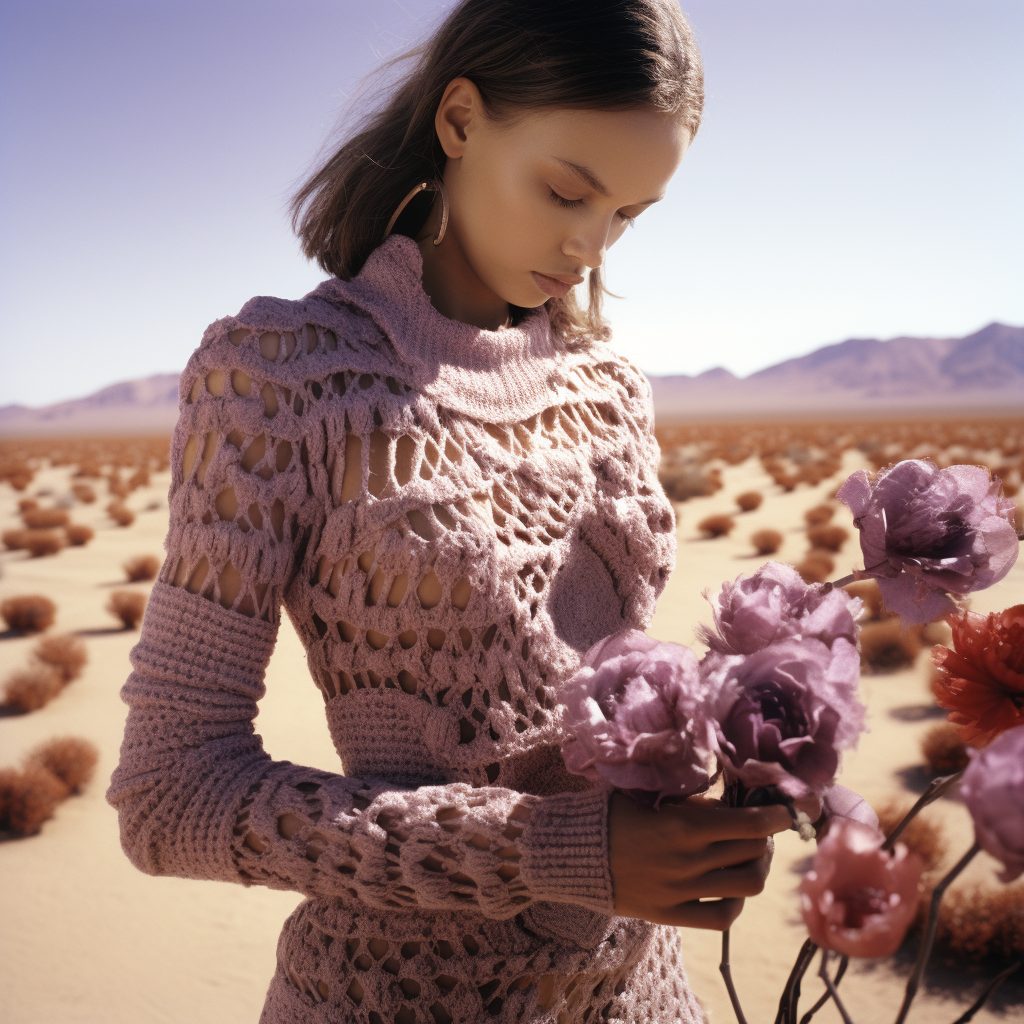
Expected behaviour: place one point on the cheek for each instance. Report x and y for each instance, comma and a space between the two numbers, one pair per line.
507, 219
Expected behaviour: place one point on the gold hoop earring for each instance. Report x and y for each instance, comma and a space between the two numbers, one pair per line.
434, 185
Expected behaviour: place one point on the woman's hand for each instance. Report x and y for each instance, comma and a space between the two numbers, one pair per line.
664, 862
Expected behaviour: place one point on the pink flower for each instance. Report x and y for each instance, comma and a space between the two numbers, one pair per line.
774, 603
634, 718
858, 899
992, 787
927, 533
780, 716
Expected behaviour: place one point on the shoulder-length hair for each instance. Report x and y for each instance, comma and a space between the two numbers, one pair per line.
520, 54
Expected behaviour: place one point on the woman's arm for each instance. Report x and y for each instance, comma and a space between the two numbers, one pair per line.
196, 794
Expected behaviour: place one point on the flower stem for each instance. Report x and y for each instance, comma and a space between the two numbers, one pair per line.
989, 989
727, 977
857, 574
831, 986
790, 994
929, 936
935, 789
827, 995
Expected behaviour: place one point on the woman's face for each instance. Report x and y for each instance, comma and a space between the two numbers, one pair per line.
535, 202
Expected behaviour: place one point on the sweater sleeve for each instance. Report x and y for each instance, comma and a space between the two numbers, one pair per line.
196, 794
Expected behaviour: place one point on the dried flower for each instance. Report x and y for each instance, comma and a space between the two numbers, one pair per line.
857, 898
980, 682
774, 603
634, 718
927, 532
780, 716
992, 787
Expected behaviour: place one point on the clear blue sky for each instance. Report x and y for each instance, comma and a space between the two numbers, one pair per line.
858, 174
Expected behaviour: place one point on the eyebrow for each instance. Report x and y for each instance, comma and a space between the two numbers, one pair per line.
593, 181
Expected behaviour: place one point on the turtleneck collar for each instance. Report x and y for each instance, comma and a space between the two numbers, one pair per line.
511, 371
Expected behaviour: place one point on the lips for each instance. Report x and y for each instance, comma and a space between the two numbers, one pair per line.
553, 286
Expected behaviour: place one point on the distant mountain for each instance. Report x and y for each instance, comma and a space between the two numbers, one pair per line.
983, 372
146, 406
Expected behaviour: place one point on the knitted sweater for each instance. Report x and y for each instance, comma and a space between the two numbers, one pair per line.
451, 517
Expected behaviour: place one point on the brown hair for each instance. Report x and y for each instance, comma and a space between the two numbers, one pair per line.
596, 54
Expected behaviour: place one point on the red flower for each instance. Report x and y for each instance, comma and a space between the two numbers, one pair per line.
980, 681
857, 898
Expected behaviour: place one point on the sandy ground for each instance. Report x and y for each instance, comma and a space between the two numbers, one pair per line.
85, 937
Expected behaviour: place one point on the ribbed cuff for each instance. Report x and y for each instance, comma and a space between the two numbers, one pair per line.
187, 638
564, 849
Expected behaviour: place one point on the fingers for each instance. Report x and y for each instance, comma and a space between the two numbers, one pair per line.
741, 880
716, 915
716, 823
727, 853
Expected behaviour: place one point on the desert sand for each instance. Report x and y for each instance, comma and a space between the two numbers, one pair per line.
85, 937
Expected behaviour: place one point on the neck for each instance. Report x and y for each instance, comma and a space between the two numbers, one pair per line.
451, 284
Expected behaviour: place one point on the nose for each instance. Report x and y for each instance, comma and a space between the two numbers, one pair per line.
588, 244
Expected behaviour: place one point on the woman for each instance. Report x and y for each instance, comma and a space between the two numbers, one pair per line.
439, 467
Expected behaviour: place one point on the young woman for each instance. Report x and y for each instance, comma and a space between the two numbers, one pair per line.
440, 468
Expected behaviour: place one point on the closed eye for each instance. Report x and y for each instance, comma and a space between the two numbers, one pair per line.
562, 201
572, 203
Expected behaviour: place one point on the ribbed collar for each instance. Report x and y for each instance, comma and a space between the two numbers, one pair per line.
508, 373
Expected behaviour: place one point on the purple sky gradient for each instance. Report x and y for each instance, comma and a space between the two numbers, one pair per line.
857, 174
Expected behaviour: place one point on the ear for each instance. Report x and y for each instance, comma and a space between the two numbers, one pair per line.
460, 107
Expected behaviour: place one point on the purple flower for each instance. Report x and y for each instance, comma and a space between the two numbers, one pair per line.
780, 716
992, 787
634, 718
927, 533
840, 802
774, 603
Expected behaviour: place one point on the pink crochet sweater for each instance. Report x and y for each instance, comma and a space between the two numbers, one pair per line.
451, 517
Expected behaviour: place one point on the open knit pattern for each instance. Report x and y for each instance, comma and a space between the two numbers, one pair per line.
450, 516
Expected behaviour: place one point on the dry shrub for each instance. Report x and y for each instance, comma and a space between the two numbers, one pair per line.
884, 646
118, 488
28, 613
870, 594
20, 479
120, 513
923, 835
84, 493
78, 534
716, 526
943, 749
89, 469
140, 478
831, 538
14, 540
31, 688
749, 500
31, 796
141, 567
823, 557
818, 515
815, 567
683, 483
66, 654
45, 518
27, 505
128, 606
979, 924
70, 758
42, 542
766, 542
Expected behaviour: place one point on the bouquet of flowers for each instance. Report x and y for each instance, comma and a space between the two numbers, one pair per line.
773, 704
